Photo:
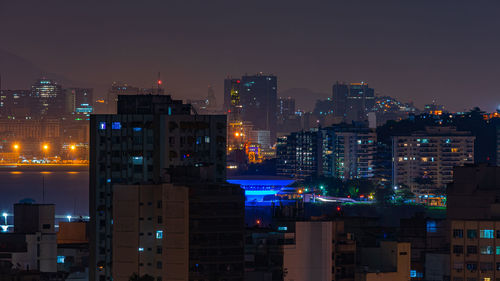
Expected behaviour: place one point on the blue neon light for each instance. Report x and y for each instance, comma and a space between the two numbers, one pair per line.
116, 126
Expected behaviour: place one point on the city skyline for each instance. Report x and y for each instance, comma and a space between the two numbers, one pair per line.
307, 45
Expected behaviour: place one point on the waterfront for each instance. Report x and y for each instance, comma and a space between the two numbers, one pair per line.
67, 189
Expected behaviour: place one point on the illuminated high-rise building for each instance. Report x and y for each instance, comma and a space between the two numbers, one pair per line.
424, 160
342, 151
79, 101
286, 108
232, 99
258, 99
352, 101
148, 137
49, 96
17, 104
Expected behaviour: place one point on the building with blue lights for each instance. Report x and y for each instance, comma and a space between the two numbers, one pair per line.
79, 101
260, 189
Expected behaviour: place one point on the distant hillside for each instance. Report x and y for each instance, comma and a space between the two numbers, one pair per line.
19, 73
305, 99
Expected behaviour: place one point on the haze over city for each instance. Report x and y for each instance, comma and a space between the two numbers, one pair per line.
417, 51
341, 140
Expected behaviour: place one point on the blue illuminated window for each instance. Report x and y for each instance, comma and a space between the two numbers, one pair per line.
102, 125
60, 259
137, 160
137, 129
108, 180
159, 234
431, 226
169, 110
413, 273
282, 228
141, 249
486, 233
116, 126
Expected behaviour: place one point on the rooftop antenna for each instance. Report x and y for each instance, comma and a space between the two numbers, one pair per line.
159, 82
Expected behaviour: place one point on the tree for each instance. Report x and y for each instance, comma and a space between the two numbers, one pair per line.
384, 194
403, 194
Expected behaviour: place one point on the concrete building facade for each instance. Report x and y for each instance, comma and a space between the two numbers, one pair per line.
424, 160
150, 136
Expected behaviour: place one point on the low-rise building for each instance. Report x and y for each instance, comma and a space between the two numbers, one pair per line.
389, 262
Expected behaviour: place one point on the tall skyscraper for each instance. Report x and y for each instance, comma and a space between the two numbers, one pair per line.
286, 108
49, 96
79, 100
212, 101
360, 101
340, 91
232, 98
258, 100
149, 136
352, 101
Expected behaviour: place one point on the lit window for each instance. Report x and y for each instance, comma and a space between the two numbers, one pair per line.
497, 250
454, 150
141, 249
137, 160
282, 228
116, 126
486, 250
486, 233
102, 125
159, 234
137, 129
431, 226
60, 259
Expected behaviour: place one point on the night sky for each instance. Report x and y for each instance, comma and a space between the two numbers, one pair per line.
413, 50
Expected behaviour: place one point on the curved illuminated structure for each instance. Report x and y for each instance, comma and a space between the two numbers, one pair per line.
261, 187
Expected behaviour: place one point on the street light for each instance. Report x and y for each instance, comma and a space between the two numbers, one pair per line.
45, 148
69, 218
72, 147
16, 147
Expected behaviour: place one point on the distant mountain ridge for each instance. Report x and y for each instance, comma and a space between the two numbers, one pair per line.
19, 73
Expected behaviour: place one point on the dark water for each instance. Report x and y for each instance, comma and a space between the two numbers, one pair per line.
68, 190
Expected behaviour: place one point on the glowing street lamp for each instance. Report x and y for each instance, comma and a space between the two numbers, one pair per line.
45, 148
72, 147
16, 147
69, 218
